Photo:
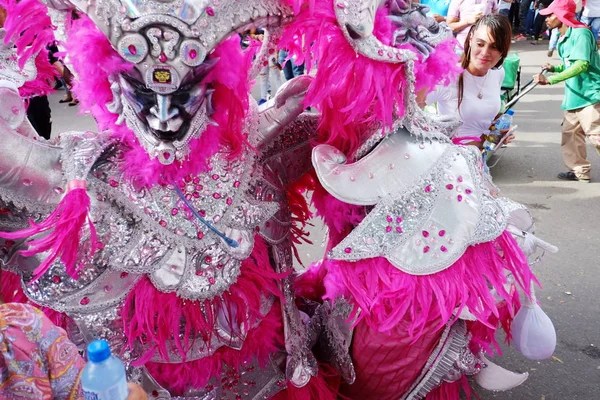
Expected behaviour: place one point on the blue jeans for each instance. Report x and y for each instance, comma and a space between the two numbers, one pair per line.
504, 12
593, 23
290, 69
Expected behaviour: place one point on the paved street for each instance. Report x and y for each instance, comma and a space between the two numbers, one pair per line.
567, 215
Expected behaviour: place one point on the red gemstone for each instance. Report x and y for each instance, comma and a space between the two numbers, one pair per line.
85, 301
163, 223
426, 249
56, 279
124, 275
4, 211
211, 280
229, 201
208, 259
166, 154
132, 49
162, 58
425, 234
200, 235
193, 54
113, 183
449, 186
174, 211
216, 196
155, 393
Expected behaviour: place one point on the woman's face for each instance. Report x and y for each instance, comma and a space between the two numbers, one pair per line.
484, 53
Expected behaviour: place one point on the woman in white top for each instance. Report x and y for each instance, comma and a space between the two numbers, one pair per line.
475, 97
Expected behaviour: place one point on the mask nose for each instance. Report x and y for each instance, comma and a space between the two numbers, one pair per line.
163, 110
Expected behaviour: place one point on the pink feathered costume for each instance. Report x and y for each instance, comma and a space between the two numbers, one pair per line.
171, 232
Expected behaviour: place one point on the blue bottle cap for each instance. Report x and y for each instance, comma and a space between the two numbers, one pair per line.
98, 351
510, 112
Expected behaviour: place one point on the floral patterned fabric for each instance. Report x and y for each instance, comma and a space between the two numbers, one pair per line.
37, 360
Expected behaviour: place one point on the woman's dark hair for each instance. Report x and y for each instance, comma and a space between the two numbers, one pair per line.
501, 32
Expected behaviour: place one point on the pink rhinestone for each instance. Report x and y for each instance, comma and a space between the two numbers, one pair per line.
174, 211
459, 197
211, 280
196, 181
220, 266
200, 235
449, 186
196, 195
132, 49
380, 52
426, 249
468, 191
113, 183
229, 201
163, 59
215, 177
443, 249
210, 11
216, 196
348, 250
236, 184
425, 234
427, 189
399, 220
398, 229
108, 288
56, 279
202, 213
388, 229
208, 259
193, 54
163, 223
442, 233
124, 275
389, 218
15, 110
85, 301
199, 273
460, 178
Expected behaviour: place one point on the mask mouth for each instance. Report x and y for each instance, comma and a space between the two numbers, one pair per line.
171, 136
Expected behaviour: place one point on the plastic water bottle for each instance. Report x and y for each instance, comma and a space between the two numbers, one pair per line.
103, 377
505, 121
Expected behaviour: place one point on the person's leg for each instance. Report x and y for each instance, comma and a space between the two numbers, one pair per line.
297, 69
39, 114
573, 146
505, 12
523, 11
285, 65
595, 26
263, 79
538, 26
590, 122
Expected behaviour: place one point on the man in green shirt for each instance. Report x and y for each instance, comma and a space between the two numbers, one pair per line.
580, 70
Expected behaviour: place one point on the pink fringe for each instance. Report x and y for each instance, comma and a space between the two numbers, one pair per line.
156, 317
260, 343
63, 228
387, 295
